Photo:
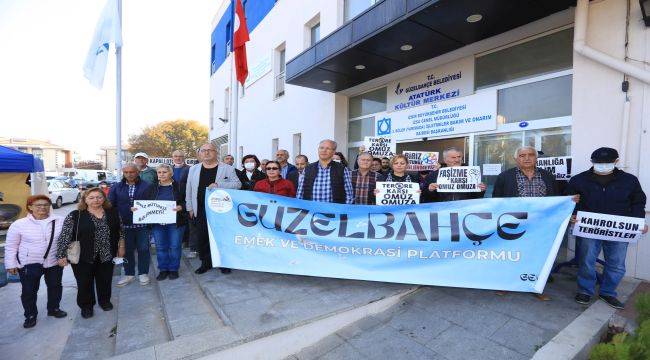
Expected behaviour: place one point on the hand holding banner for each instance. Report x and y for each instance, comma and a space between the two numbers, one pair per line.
608, 227
398, 193
421, 160
459, 179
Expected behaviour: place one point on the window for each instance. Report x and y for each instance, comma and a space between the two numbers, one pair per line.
275, 145
356, 7
314, 34
228, 38
226, 104
297, 144
368, 103
211, 114
358, 129
280, 68
547, 54
213, 63
544, 99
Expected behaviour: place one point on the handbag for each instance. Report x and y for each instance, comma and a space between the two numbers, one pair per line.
74, 249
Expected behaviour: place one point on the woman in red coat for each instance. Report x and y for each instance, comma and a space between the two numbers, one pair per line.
274, 183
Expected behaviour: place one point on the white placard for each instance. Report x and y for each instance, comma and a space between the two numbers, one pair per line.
448, 81
398, 193
608, 227
491, 169
560, 166
154, 212
421, 160
458, 116
380, 146
459, 179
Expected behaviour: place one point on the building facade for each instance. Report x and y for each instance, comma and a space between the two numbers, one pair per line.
55, 158
563, 76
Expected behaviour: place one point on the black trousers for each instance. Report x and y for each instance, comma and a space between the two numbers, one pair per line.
30, 279
91, 277
203, 239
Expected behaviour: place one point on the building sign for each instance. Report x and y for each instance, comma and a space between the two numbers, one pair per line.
421, 160
398, 193
157, 161
448, 81
473, 113
261, 68
459, 179
380, 146
608, 227
559, 166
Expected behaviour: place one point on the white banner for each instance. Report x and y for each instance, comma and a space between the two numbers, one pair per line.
421, 160
459, 116
608, 227
380, 146
491, 169
398, 193
559, 166
154, 212
448, 81
459, 179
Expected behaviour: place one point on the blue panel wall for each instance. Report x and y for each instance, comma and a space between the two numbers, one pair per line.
255, 11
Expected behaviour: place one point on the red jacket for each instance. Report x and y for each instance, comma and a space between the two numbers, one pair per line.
278, 187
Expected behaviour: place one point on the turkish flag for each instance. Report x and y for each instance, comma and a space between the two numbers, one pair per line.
240, 37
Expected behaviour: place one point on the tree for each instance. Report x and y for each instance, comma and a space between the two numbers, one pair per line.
162, 139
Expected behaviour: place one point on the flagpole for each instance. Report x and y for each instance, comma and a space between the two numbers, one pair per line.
118, 96
234, 151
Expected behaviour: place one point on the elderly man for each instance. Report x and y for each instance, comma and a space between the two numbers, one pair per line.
301, 163
147, 173
604, 189
179, 165
326, 180
364, 180
282, 156
208, 173
452, 157
229, 159
122, 196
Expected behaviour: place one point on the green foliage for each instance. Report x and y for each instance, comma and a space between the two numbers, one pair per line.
643, 307
617, 349
640, 348
163, 138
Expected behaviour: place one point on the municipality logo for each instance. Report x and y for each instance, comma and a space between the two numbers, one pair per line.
398, 89
383, 126
220, 201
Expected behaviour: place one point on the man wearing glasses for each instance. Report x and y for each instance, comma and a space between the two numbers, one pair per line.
208, 173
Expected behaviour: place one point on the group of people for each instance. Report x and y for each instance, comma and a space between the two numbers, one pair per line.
39, 244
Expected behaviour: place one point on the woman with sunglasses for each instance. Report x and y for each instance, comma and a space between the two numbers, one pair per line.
274, 183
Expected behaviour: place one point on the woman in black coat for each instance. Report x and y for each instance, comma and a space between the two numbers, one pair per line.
250, 174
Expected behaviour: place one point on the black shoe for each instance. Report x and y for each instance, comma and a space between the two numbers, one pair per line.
225, 270
162, 275
613, 302
201, 270
57, 313
30, 322
173, 275
106, 307
86, 313
583, 299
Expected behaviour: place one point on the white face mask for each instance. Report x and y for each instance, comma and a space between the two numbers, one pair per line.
249, 166
118, 260
604, 168
337, 160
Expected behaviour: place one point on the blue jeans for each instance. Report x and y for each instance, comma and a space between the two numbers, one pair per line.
168, 246
588, 250
137, 239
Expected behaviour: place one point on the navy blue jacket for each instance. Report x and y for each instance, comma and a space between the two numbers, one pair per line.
119, 197
179, 197
621, 196
506, 184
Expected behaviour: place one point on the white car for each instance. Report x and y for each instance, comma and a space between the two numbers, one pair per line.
62, 193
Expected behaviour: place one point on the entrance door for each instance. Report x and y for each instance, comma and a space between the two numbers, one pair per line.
438, 145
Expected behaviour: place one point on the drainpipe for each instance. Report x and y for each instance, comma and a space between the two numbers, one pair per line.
580, 46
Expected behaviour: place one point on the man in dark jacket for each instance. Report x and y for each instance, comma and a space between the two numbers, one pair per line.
136, 236
326, 180
526, 179
282, 156
301, 163
604, 189
451, 157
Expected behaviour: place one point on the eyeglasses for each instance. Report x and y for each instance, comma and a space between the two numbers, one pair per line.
272, 168
41, 205
207, 150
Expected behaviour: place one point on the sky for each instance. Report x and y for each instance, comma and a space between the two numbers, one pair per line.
44, 95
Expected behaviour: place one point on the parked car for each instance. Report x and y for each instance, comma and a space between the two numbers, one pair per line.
62, 193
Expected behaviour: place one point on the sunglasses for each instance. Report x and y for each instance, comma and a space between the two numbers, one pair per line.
272, 168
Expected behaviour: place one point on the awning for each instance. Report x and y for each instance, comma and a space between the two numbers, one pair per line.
394, 34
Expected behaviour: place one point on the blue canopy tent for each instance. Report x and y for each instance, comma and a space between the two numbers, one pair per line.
15, 161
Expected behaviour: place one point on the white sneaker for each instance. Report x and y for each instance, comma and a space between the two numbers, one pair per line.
191, 254
144, 279
125, 280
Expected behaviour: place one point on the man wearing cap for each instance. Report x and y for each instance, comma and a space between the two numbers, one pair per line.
604, 189
146, 173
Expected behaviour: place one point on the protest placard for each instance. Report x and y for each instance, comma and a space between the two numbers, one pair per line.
380, 146
421, 160
608, 227
398, 193
560, 166
491, 169
154, 212
459, 179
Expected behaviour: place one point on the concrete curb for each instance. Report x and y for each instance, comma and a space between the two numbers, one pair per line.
576, 340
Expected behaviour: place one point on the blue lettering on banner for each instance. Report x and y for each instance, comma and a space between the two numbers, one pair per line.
429, 244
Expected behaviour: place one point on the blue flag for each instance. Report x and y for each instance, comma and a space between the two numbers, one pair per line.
108, 30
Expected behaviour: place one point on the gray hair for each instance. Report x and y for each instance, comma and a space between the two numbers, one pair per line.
449, 149
330, 141
165, 166
180, 152
519, 149
130, 165
365, 153
303, 157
